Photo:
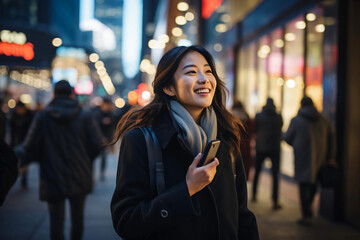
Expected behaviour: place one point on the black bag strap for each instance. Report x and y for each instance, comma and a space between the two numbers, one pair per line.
156, 165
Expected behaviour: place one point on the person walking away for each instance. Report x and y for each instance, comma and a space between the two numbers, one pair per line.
106, 120
198, 202
20, 122
268, 126
311, 136
65, 140
2, 121
8, 169
247, 133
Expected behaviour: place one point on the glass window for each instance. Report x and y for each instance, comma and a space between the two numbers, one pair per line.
293, 84
262, 71
293, 69
246, 81
314, 60
275, 67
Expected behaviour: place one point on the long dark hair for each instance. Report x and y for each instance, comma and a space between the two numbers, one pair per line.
228, 125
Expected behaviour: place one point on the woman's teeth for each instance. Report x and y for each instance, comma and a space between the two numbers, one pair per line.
202, 91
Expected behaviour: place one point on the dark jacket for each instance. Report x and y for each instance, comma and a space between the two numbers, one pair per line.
216, 212
311, 136
268, 125
107, 124
8, 169
64, 139
2, 123
20, 125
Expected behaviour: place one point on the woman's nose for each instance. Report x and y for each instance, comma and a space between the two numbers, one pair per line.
202, 78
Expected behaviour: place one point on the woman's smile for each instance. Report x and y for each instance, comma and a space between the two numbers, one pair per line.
194, 85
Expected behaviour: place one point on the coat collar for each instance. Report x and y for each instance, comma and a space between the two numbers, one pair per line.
164, 128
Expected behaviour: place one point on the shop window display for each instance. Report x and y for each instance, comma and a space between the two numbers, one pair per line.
284, 65
263, 51
293, 69
275, 67
246, 85
314, 60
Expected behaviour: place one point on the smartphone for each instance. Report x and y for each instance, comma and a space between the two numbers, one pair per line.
210, 152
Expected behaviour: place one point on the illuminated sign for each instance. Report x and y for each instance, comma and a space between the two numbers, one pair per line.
26, 46
208, 7
14, 44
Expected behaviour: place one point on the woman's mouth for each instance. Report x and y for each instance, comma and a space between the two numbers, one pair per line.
202, 90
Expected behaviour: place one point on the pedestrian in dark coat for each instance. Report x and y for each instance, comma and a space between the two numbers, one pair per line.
199, 202
268, 125
106, 120
2, 121
20, 122
246, 135
65, 140
8, 169
311, 136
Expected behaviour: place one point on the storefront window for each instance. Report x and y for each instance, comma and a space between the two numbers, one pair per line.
295, 59
314, 60
263, 51
275, 67
330, 60
246, 85
293, 69
225, 70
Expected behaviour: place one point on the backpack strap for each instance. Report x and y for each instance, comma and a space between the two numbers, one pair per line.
155, 162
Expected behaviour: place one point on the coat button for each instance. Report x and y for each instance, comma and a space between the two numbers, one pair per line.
164, 213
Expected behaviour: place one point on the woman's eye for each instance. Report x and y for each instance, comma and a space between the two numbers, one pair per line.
209, 71
191, 72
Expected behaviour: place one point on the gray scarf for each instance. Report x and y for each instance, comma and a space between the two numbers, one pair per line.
195, 136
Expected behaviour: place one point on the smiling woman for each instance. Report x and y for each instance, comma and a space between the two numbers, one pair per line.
199, 202
194, 85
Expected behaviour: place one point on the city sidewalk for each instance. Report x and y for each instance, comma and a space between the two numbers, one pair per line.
281, 224
24, 217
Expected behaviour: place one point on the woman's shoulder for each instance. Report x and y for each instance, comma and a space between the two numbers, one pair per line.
134, 133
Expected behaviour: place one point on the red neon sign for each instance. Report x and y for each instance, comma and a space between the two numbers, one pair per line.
208, 7
25, 51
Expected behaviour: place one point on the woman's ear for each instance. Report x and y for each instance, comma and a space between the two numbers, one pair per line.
170, 90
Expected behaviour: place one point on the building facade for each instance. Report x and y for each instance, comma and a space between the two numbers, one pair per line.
288, 49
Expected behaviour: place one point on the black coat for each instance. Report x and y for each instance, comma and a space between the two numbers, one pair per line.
311, 136
64, 139
268, 125
20, 125
8, 169
219, 211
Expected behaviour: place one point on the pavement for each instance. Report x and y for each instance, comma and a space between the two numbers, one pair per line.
24, 217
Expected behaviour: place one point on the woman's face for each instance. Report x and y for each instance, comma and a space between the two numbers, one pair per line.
195, 83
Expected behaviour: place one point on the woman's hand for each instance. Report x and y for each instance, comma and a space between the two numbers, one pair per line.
199, 177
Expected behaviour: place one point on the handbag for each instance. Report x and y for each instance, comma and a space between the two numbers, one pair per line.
155, 162
327, 176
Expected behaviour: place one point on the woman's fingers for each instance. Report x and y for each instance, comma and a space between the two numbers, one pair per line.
199, 177
196, 160
213, 163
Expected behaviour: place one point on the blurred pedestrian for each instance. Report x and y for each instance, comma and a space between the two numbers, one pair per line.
268, 126
38, 107
65, 140
2, 121
198, 202
106, 120
20, 122
8, 169
246, 135
311, 136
